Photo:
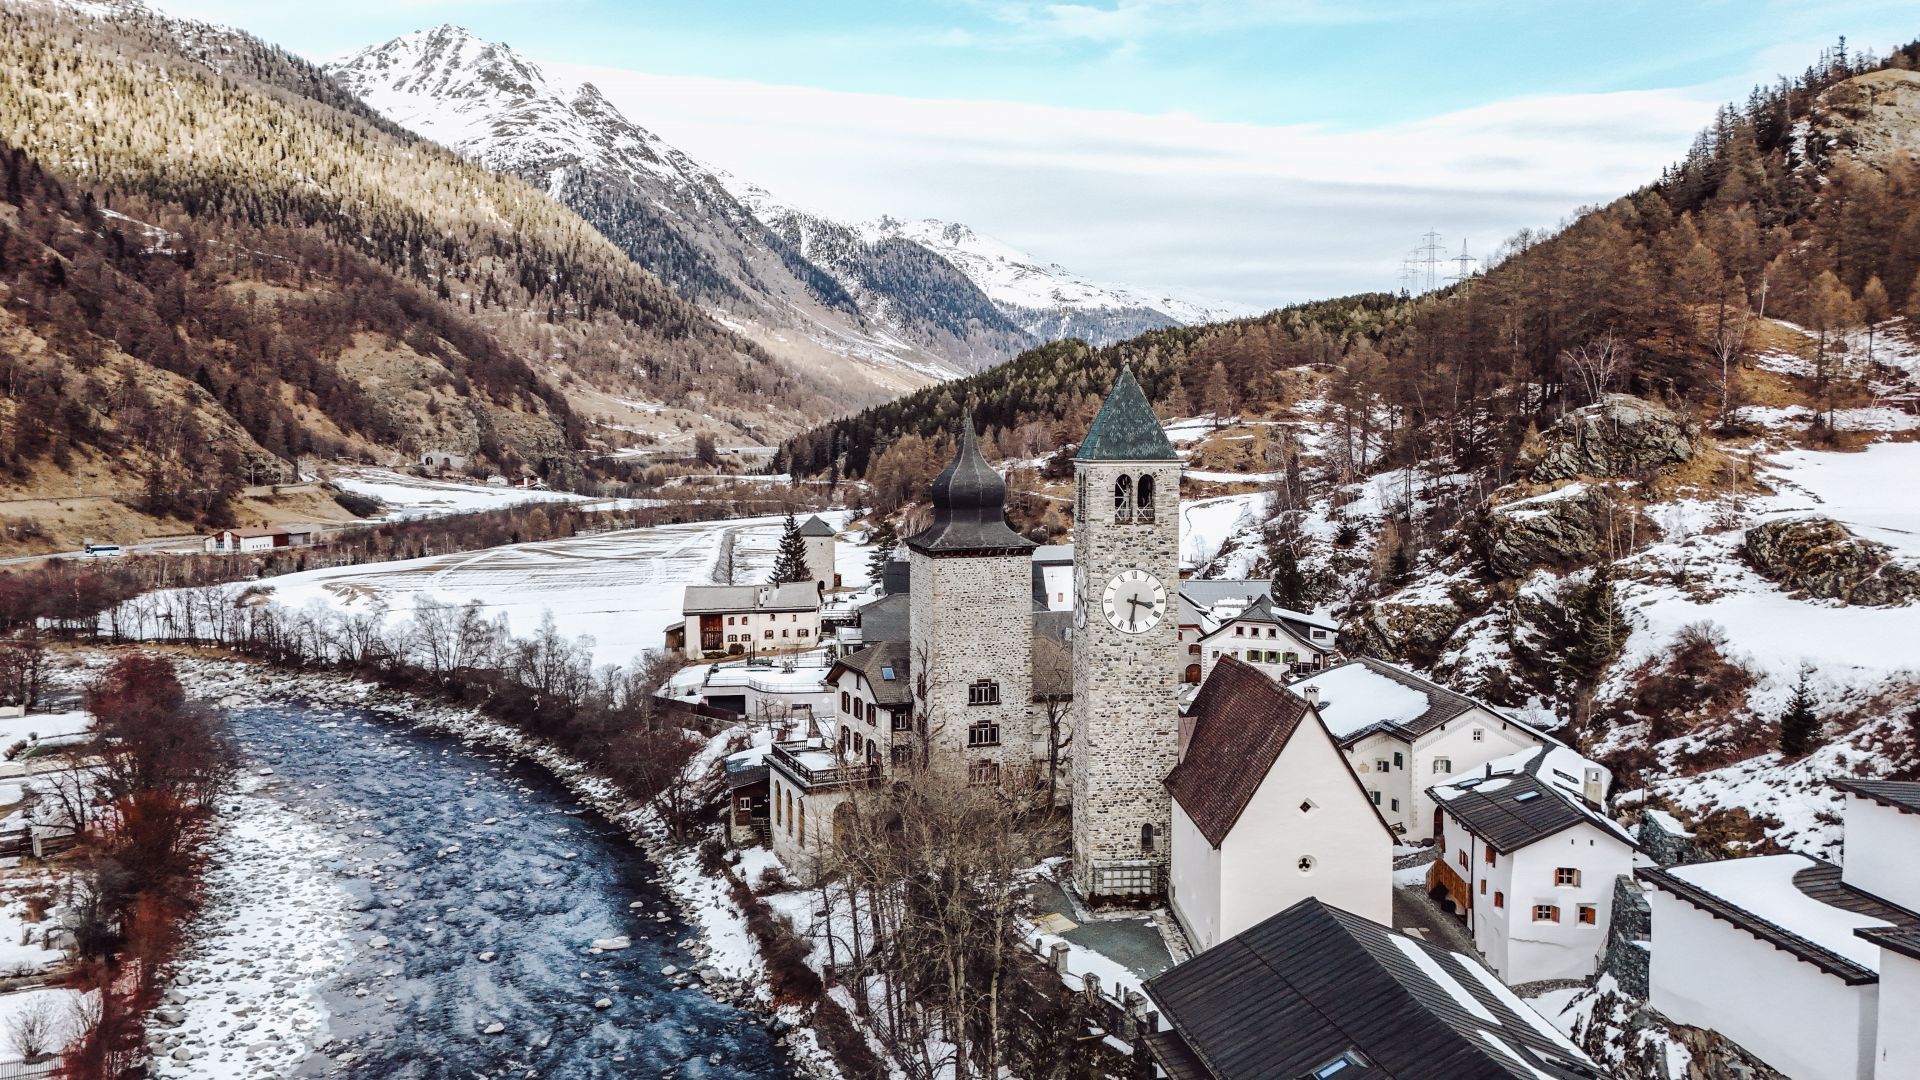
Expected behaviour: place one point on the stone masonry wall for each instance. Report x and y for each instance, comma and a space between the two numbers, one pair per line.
1126, 711
972, 619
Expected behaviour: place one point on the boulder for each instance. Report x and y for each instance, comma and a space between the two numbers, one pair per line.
1619, 436
1570, 527
1818, 557
612, 944
1401, 630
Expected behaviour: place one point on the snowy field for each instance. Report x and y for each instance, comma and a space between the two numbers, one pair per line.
620, 588
408, 497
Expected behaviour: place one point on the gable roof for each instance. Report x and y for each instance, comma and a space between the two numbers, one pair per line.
813, 526
1293, 993
1126, 429
1511, 810
873, 663
1242, 720
886, 619
719, 599
1805, 908
1378, 697
1901, 795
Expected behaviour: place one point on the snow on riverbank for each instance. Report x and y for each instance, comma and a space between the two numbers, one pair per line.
245, 1002
726, 947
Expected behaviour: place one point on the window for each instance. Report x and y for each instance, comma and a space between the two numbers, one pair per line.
1193, 649
1462, 858
1143, 500
1239, 631
802, 632
1546, 913
1566, 875
1394, 805
845, 700
1319, 635
729, 620
1308, 806
776, 805
1290, 658
783, 633
902, 721
902, 755
1491, 857
1123, 499
733, 637
1399, 762
1339, 1066
981, 773
1380, 765
769, 635
1271, 632
1479, 734
801, 835
1146, 836
1589, 915
1305, 865
980, 735
859, 745
983, 692
1442, 766
1375, 796
1483, 886
1499, 899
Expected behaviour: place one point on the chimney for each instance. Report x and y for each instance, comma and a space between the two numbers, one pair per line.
1312, 694
1057, 956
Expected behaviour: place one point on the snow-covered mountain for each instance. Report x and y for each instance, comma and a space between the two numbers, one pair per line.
905, 302
1046, 299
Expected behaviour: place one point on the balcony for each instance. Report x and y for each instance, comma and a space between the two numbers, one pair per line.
812, 765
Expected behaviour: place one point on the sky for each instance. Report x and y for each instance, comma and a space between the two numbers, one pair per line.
1255, 152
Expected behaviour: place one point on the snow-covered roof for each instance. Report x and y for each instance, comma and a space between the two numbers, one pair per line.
1795, 903
1355, 697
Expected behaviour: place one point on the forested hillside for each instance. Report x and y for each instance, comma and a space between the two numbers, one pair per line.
269, 188
1801, 204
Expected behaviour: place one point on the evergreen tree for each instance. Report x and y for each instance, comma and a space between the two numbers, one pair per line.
791, 563
885, 539
1599, 630
1800, 723
1289, 588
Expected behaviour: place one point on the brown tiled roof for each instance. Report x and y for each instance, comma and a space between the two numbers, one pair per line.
874, 662
1241, 722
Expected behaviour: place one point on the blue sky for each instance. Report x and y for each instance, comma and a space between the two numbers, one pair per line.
1181, 121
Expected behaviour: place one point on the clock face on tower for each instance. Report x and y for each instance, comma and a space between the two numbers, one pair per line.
1135, 601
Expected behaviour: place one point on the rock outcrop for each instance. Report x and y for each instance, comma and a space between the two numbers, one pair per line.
1570, 527
1401, 630
1619, 436
1818, 557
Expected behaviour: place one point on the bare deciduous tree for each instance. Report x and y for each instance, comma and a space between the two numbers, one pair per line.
1597, 363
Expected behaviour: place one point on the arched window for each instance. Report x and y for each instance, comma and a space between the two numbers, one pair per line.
1123, 499
1146, 836
1143, 499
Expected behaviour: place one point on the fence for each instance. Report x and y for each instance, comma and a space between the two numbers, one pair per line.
20, 1070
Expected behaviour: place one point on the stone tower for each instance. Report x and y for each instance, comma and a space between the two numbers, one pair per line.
818, 538
1126, 599
971, 626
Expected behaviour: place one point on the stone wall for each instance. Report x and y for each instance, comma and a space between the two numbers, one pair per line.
972, 620
1125, 698
1627, 959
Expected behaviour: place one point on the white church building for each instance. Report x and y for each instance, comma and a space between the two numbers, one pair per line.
1267, 812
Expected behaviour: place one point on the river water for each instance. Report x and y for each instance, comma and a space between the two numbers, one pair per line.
487, 881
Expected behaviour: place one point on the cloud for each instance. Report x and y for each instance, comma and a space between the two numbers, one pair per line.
1256, 214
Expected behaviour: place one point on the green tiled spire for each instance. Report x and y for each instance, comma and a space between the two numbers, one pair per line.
1126, 429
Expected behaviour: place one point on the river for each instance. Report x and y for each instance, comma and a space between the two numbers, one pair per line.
470, 889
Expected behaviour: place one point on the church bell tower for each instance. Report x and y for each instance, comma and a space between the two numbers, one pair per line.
1126, 615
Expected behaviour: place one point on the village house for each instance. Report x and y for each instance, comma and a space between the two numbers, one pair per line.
732, 620
1317, 993
1402, 733
1528, 856
1212, 605
260, 538
1812, 968
1266, 812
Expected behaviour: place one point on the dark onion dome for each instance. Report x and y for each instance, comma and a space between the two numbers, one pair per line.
1126, 429
969, 507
